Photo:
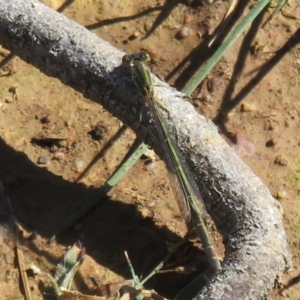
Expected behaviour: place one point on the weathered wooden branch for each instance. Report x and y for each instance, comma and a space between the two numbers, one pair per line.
246, 214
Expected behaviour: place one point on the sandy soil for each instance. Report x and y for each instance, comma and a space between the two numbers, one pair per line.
140, 215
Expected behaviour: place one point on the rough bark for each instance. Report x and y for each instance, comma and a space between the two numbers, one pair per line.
246, 214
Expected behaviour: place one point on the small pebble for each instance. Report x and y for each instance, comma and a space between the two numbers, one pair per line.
9, 99
270, 143
1, 104
62, 143
151, 165
42, 160
242, 146
13, 89
35, 270
281, 194
187, 19
270, 127
212, 84
68, 123
135, 35
245, 107
281, 160
183, 33
134, 188
98, 132
46, 119
79, 164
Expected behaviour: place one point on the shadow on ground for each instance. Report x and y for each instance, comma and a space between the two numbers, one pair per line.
43, 201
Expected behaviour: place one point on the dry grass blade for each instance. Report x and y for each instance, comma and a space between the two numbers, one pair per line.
224, 22
23, 273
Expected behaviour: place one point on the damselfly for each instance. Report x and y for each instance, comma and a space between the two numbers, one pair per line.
177, 165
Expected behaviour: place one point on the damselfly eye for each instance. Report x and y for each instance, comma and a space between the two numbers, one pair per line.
144, 56
127, 59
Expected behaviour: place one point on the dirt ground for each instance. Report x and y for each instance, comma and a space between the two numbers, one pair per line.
254, 83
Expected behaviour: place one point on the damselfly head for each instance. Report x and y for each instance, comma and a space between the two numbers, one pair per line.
130, 59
